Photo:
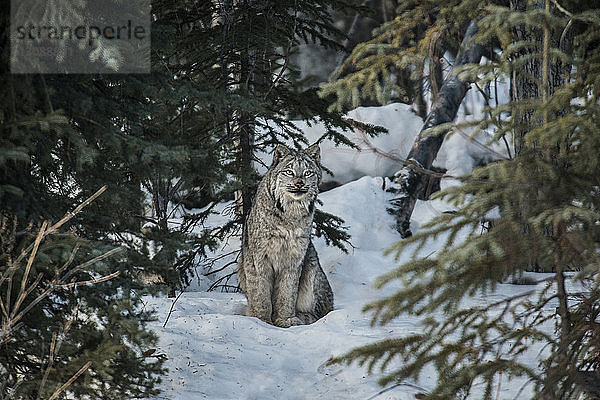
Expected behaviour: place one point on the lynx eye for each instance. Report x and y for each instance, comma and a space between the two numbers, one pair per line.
288, 172
308, 173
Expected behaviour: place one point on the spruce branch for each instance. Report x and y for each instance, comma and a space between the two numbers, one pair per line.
52, 229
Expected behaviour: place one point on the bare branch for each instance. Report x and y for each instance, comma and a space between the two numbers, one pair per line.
70, 381
89, 282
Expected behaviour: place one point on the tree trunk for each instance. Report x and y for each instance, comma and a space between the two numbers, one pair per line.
251, 73
354, 32
413, 180
244, 136
539, 78
437, 48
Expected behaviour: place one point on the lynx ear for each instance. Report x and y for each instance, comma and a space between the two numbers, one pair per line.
314, 151
280, 152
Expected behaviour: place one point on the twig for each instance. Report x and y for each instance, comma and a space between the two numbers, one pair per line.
499, 385
55, 349
483, 146
77, 210
93, 261
89, 282
23, 293
12, 314
283, 68
35, 283
562, 9
387, 389
49, 366
47, 94
410, 164
214, 271
564, 34
487, 103
67, 217
225, 278
70, 381
172, 306
71, 258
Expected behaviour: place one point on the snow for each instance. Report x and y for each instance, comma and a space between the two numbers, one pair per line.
382, 155
214, 351
349, 164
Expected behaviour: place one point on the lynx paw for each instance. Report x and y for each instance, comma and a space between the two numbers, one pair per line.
287, 322
262, 316
307, 318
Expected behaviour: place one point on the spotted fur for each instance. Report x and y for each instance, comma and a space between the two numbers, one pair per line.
279, 269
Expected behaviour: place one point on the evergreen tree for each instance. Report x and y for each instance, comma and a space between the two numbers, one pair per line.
239, 56
222, 88
64, 136
402, 61
543, 203
393, 64
261, 84
60, 336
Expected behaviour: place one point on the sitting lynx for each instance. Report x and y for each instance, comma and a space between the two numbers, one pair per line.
279, 269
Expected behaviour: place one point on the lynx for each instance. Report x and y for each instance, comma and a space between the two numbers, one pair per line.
279, 270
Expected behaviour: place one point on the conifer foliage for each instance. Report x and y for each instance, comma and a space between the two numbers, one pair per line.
168, 146
60, 140
539, 208
235, 62
52, 329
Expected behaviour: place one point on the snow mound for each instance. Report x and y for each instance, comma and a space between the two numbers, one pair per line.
382, 155
215, 352
463, 150
348, 164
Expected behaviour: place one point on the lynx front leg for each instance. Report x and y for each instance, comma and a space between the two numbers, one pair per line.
285, 294
259, 289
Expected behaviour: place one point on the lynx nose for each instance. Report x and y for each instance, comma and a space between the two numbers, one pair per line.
299, 183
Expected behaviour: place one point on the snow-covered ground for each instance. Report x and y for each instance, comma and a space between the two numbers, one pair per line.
215, 352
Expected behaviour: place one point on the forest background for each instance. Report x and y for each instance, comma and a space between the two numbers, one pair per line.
109, 159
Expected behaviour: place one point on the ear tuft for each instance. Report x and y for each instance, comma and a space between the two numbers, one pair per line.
280, 152
314, 151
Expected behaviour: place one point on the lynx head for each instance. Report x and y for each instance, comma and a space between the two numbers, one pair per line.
295, 178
